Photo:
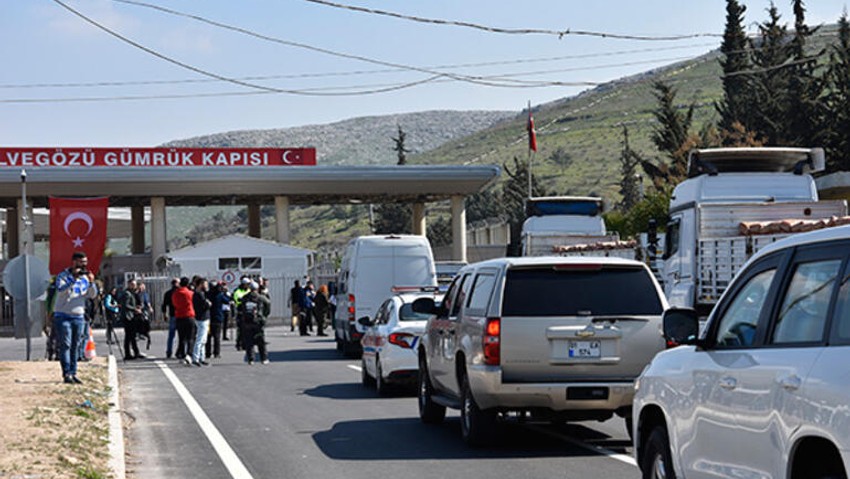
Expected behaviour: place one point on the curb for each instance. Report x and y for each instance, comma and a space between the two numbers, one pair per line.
116, 429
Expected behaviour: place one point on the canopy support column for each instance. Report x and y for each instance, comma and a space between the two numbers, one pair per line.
458, 228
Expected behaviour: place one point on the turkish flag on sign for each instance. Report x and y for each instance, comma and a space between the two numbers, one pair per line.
77, 224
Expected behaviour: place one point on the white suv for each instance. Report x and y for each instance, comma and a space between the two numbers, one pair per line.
765, 392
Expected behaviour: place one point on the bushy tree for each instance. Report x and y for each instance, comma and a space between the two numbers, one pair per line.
562, 158
629, 224
440, 232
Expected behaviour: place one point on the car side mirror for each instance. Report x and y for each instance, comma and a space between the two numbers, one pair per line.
680, 326
365, 321
425, 306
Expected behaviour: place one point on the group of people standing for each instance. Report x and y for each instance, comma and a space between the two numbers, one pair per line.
310, 306
199, 314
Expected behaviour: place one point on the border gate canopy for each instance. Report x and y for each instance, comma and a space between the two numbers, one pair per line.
224, 176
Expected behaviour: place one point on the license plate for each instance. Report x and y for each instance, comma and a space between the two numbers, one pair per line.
585, 349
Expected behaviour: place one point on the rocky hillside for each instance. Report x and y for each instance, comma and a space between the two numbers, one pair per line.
361, 141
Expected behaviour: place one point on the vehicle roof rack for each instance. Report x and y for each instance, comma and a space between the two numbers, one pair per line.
751, 160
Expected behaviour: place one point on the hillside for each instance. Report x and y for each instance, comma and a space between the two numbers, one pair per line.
360, 141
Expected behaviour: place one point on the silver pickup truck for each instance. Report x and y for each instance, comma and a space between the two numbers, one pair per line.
557, 339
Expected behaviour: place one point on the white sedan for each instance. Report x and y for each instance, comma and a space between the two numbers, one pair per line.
391, 337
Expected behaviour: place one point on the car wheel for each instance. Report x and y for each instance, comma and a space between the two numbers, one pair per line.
367, 380
656, 462
380, 384
429, 411
477, 426
338, 343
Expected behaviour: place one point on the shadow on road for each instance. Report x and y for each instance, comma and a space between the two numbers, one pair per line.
408, 438
324, 354
343, 391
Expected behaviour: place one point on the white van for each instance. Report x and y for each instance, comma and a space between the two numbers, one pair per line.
371, 266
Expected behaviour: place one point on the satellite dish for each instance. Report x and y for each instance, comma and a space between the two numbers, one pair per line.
14, 277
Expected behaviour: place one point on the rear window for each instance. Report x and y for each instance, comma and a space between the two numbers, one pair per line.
406, 313
605, 292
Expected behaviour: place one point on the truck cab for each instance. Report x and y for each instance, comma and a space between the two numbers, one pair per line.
726, 187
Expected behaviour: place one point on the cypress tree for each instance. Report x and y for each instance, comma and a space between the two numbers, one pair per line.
736, 96
770, 82
672, 137
837, 126
805, 89
629, 179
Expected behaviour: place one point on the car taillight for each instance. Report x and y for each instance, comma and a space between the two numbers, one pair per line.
351, 314
403, 340
492, 339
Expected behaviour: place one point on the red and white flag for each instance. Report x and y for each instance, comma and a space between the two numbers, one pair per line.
532, 134
77, 224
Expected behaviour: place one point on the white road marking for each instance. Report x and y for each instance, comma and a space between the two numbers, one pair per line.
231, 461
590, 447
356, 368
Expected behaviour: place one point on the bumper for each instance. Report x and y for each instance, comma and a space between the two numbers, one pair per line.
490, 392
399, 364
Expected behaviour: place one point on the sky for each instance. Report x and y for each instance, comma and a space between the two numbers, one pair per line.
64, 82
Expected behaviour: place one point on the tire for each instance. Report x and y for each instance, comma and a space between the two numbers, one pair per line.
429, 411
656, 462
367, 380
380, 384
338, 343
477, 426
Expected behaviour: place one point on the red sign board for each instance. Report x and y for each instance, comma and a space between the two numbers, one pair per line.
155, 157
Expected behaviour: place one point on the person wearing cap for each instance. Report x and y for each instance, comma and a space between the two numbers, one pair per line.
240, 291
253, 309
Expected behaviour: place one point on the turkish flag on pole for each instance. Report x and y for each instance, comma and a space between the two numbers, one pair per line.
77, 224
532, 135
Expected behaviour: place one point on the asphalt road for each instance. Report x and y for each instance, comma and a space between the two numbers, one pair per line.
306, 415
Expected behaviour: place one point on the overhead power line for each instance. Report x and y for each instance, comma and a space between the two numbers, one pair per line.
357, 72
514, 31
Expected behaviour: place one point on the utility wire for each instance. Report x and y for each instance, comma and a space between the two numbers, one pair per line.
516, 31
352, 72
465, 78
221, 77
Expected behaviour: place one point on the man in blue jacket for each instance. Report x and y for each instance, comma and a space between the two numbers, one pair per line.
74, 286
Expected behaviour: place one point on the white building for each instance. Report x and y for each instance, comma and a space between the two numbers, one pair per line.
230, 257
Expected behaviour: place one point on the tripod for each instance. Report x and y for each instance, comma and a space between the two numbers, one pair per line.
112, 338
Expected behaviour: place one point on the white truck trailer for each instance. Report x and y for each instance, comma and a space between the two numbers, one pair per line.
559, 221
727, 189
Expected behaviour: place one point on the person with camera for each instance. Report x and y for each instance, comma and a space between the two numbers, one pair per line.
130, 311
73, 287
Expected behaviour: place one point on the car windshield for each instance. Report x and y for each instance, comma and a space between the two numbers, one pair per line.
406, 313
602, 292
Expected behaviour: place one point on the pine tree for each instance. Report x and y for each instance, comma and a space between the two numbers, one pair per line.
672, 137
837, 126
771, 81
736, 95
395, 218
805, 89
629, 177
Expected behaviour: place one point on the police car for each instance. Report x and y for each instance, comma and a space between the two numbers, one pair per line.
391, 337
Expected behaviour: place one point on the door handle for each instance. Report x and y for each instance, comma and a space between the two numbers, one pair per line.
791, 383
728, 383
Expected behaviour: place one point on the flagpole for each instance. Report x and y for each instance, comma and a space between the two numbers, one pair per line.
528, 162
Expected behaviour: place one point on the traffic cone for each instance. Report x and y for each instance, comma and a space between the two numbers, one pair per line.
91, 351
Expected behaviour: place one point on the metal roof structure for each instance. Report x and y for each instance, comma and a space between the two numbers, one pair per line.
128, 186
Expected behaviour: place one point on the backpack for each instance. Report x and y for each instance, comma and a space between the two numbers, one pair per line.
250, 310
